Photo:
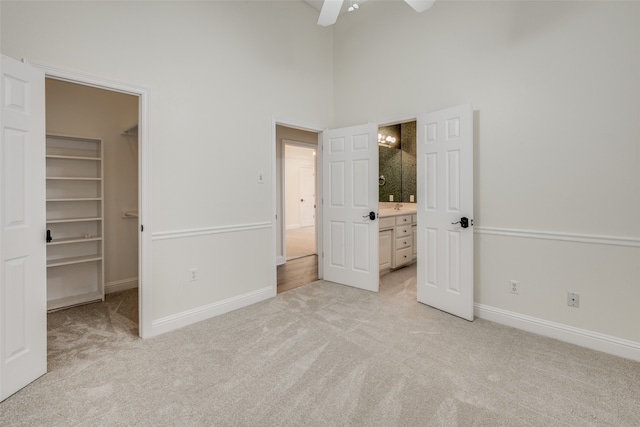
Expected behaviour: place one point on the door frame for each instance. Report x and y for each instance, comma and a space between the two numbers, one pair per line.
145, 327
277, 259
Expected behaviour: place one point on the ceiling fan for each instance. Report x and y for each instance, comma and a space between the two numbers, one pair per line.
331, 9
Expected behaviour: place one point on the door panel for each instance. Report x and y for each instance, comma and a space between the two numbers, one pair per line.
23, 300
350, 167
445, 179
307, 196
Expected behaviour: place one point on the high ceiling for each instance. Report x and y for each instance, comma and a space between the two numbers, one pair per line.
317, 4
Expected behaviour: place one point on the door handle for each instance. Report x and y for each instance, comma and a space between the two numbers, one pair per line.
371, 216
464, 222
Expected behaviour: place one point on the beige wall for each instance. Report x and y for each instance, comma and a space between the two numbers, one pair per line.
556, 92
84, 111
555, 88
217, 73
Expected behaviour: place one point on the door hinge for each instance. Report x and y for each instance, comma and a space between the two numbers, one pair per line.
141, 227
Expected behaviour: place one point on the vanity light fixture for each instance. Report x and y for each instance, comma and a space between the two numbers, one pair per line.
385, 141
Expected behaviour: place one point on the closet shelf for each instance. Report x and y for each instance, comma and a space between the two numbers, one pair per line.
63, 220
78, 239
73, 260
73, 178
75, 221
74, 300
57, 156
132, 131
76, 199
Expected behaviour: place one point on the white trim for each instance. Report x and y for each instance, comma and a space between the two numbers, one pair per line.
566, 237
189, 317
121, 285
145, 265
75, 76
179, 234
301, 144
397, 120
589, 339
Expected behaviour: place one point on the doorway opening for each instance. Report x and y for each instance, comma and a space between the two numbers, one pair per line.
299, 199
296, 176
93, 198
397, 192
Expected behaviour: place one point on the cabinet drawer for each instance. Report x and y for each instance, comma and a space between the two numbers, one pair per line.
404, 242
403, 256
387, 222
403, 231
403, 220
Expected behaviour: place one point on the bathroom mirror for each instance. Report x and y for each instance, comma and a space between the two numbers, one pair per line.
397, 162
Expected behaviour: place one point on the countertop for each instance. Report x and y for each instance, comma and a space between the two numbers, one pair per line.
405, 210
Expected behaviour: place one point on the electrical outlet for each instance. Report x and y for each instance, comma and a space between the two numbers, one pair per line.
193, 274
515, 287
573, 299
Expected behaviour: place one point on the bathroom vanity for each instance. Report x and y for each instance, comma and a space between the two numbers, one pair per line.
397, 239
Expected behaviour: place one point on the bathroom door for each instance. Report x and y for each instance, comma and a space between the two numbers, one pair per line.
23, 279
350, 194
445, 210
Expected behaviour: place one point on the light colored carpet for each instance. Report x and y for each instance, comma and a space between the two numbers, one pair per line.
323, 355
300, 242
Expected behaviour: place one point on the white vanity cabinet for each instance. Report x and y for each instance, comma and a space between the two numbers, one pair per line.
404, 241
414, 228
385, 242
397, 240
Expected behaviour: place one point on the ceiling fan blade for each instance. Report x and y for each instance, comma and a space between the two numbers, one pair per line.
329, 13
420, 5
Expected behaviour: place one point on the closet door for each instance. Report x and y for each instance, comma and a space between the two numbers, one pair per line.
23, 298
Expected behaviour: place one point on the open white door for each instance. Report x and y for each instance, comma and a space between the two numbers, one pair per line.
350, 195
23, 289
445, 210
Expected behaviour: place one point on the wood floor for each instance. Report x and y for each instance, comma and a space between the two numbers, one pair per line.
297, 272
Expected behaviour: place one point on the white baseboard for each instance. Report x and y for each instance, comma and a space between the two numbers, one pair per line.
189, 317
121, 285
582, 337
293, 226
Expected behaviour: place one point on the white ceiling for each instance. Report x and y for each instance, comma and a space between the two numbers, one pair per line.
317, 4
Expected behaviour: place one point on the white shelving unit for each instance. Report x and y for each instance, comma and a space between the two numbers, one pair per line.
75, 190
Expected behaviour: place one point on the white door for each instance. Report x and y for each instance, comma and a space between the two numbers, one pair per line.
307, 196
445, 188
350, 193
23, 291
